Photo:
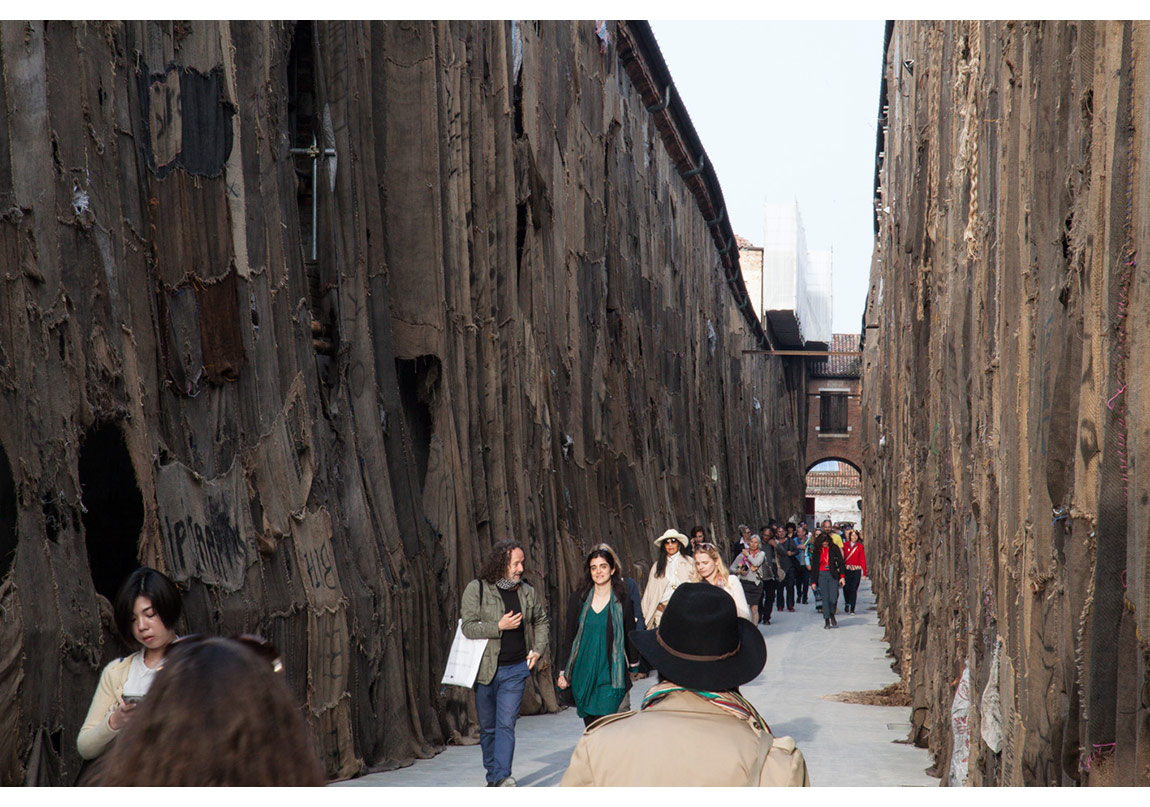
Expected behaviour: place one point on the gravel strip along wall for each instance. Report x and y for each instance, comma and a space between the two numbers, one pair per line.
524, 318
1004, 403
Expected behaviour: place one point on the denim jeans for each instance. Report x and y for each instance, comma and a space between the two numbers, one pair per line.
497, 707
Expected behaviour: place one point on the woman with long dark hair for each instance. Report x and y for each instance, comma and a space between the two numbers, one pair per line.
147, 607
599, 618
671, 569
217, 715
828, 574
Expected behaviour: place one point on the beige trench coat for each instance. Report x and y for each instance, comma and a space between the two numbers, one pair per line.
620, 750
678, 572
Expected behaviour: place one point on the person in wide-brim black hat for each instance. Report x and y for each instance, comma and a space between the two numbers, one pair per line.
701, 642
704, 651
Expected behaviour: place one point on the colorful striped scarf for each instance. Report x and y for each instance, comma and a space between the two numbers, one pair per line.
731, 702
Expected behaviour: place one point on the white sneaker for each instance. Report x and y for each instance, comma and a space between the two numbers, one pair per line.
508, 782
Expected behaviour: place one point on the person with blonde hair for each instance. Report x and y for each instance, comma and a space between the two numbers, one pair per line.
710, 568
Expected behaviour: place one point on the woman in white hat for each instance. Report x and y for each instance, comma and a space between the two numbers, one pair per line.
672, 569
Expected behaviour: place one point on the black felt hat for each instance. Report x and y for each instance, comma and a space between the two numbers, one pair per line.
701, 643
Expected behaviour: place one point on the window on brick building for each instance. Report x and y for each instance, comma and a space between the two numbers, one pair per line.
832, 412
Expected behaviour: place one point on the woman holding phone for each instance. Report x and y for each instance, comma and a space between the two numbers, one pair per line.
147, 608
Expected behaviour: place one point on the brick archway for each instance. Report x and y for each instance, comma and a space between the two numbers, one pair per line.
835, 494
854, 463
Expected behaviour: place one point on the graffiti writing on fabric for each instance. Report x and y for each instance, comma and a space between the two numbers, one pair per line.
328, 641
211, 550
331, 669
333, 730
320, 567
165, 119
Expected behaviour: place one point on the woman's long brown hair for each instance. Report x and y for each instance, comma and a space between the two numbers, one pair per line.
215, 715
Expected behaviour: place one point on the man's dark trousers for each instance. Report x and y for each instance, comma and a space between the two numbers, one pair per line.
788, 583
768, 603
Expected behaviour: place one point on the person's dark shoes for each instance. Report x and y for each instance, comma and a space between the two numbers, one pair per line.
826, 624
834, 621
792, 610
491, 784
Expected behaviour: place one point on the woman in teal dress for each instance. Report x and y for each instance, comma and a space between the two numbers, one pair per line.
600, 616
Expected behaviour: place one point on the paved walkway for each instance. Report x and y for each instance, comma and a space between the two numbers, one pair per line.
844, 744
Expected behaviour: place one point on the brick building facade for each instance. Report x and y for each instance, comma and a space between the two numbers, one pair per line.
834, 410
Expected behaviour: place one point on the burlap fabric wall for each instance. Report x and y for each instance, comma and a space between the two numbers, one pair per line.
1003, 392
517, 326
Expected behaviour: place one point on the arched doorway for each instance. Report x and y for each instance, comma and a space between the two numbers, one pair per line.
834, 491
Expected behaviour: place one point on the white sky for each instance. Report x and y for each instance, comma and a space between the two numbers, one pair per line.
786, 111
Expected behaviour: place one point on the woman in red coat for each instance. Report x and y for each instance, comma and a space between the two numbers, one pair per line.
854, 556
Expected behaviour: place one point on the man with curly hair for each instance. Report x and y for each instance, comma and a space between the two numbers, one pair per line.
500, 607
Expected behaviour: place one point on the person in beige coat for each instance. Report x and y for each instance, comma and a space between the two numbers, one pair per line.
704, 653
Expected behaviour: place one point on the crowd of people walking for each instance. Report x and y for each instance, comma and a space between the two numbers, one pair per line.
781, 565
695, 625
613, 636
